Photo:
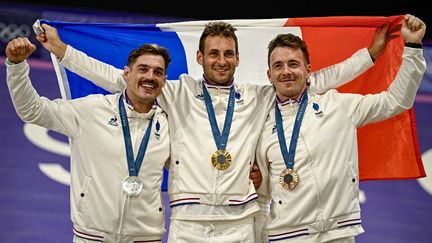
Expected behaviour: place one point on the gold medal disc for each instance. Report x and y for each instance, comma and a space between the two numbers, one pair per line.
221, 159
289, 179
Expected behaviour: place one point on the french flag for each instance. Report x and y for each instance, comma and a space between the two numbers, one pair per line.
387, 150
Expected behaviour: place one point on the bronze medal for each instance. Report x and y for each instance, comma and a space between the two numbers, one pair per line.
221, 159
289, 179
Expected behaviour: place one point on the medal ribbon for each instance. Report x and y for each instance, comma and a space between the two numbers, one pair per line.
133, 166
220, 139
289, 156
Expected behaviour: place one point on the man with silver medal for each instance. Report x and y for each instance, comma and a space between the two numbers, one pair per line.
132, 185
115, 197
312, 186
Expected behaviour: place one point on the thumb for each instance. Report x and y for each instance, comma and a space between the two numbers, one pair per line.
32, 48
48, 28
254, 167
45, 26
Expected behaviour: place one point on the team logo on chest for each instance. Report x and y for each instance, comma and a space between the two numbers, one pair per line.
274, 129
239, 99
157, 132
113, 121
318, 113
200, 96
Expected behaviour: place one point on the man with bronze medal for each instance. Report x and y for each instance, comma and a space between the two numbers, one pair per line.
115, 198
316, 199
289, 177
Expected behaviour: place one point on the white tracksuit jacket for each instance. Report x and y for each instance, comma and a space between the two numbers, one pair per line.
100, 210
197, 190
325, 203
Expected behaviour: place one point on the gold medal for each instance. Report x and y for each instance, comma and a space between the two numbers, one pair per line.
289, 179
221, 159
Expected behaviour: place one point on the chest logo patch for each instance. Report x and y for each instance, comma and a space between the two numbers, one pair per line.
113, 122
318, 113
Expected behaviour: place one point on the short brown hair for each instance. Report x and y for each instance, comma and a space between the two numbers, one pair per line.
288, 40
149, 49
216, 28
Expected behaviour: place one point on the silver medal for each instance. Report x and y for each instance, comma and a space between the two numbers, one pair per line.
132, 185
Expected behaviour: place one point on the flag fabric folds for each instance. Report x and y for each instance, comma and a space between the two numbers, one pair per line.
387, 150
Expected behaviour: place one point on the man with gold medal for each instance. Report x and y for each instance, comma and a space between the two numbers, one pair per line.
313, 187
221, 159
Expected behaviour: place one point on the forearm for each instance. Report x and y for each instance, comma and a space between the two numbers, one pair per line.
24, 97
399, 96
101, 74
54, 115
407, 81
263, 190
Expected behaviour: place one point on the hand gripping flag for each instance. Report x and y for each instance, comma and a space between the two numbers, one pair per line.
387, 150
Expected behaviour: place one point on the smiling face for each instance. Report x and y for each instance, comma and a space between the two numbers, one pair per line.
288, 65
288, 72
144, 80
219, 59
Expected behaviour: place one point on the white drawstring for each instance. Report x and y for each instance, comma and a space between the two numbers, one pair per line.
125, 202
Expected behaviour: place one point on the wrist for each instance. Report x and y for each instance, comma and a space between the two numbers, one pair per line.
60, 51
413, 45
373, 59
373, 53
9, 62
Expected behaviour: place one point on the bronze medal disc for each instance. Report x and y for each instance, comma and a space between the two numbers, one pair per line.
221, 159
289, 179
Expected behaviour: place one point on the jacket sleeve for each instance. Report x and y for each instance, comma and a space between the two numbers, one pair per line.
101, 74
263, 190
57, 115
397, 98
264, 193
341, 73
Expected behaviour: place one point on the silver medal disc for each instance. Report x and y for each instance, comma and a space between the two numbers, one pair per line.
132, 185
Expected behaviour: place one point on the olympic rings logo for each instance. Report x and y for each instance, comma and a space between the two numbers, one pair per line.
12, 31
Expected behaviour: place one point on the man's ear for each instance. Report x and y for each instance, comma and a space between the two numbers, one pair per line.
165, 80
238, 59
199, 58
308, 70
126, 72
268, 76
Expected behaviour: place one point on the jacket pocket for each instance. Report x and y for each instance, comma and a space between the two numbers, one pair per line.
353, 180
83, 193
